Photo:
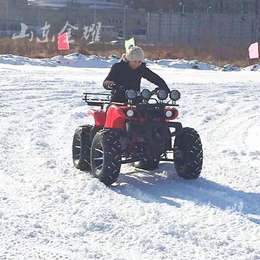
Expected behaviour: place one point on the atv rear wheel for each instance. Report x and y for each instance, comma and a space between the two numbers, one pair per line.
81, 148
147, 165
188, 156
106, 156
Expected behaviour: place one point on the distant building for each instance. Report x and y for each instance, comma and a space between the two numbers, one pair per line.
220, 6
125, 21
117, 19
12, 13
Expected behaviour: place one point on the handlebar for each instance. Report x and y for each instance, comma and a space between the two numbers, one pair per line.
155, 91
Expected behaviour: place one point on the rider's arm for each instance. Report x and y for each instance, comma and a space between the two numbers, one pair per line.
112, 78
153, 77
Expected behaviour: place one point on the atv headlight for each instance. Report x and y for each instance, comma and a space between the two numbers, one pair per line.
168, 113
130, 94
146, 94
175, 95
162, 94
130, 113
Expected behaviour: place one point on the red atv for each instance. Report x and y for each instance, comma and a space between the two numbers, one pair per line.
140, 131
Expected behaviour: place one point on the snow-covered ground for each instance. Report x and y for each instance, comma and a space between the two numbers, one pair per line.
50, 210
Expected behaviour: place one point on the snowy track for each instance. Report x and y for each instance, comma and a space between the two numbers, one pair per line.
50, 210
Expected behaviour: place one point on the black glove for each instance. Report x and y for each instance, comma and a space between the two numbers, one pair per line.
155, 91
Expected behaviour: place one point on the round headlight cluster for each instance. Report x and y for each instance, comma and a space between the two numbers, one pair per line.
175, 95
146, 94
162, 94
131, 94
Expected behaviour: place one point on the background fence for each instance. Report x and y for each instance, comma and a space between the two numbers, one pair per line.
200, 28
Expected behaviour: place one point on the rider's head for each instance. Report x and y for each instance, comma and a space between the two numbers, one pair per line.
135, 56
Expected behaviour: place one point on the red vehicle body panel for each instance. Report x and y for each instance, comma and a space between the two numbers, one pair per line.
115, 116
99, 116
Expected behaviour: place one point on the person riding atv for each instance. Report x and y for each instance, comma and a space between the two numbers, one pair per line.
127, 74
137, 127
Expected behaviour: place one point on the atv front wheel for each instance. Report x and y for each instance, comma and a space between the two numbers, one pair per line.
106, 156
188, 155
81, 148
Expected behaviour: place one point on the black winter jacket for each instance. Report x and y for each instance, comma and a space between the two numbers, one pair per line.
123, 75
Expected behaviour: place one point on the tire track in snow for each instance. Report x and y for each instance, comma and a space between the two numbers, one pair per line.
148, 215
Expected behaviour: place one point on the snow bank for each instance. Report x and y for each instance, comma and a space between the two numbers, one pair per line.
82, 61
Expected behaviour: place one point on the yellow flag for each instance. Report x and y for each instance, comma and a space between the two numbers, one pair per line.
129, 43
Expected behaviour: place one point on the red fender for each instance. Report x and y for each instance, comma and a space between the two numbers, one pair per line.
115, 117
99, 116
